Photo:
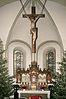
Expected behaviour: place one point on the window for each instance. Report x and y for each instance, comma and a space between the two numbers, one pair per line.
18, 59
1, 49
51, 58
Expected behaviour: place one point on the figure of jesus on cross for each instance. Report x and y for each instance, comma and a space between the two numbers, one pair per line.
33, 17
34, 38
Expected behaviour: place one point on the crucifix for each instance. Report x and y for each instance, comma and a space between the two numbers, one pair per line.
33, 17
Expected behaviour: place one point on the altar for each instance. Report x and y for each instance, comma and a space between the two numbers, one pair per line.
27, 93
33, 82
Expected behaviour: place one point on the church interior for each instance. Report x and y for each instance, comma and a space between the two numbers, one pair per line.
33, 34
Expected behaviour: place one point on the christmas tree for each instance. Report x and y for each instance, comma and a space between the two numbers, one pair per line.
59, 89
6, 82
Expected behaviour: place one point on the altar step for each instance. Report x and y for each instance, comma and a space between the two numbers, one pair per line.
13, 98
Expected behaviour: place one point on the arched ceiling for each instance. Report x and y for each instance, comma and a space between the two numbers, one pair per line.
4, 2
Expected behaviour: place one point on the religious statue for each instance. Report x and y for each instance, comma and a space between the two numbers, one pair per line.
34, 38
33, 17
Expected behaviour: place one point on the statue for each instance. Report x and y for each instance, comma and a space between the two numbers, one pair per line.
33, 17
34, 38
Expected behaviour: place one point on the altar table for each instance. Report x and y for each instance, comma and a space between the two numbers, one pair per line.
28, 93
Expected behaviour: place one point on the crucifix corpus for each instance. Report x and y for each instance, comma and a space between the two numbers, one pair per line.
33, 17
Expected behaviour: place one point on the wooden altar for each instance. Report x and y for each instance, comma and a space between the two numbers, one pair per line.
33, 78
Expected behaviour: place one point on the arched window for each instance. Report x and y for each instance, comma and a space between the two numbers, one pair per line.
1, 48
51, 60
18, 59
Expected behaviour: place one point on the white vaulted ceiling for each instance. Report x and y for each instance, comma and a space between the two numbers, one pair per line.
3, 2
10, 21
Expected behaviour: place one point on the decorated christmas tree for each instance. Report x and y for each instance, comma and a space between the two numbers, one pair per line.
59, 89
6, 82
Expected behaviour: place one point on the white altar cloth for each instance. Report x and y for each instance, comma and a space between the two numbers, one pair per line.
34, 91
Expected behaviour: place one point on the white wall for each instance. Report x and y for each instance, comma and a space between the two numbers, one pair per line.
7, 17
58, 13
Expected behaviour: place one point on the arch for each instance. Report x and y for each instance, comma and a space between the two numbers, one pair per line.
14, 41
42, 50
22, 47
49, 41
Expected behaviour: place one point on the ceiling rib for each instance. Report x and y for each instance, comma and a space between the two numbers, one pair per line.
4, 2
